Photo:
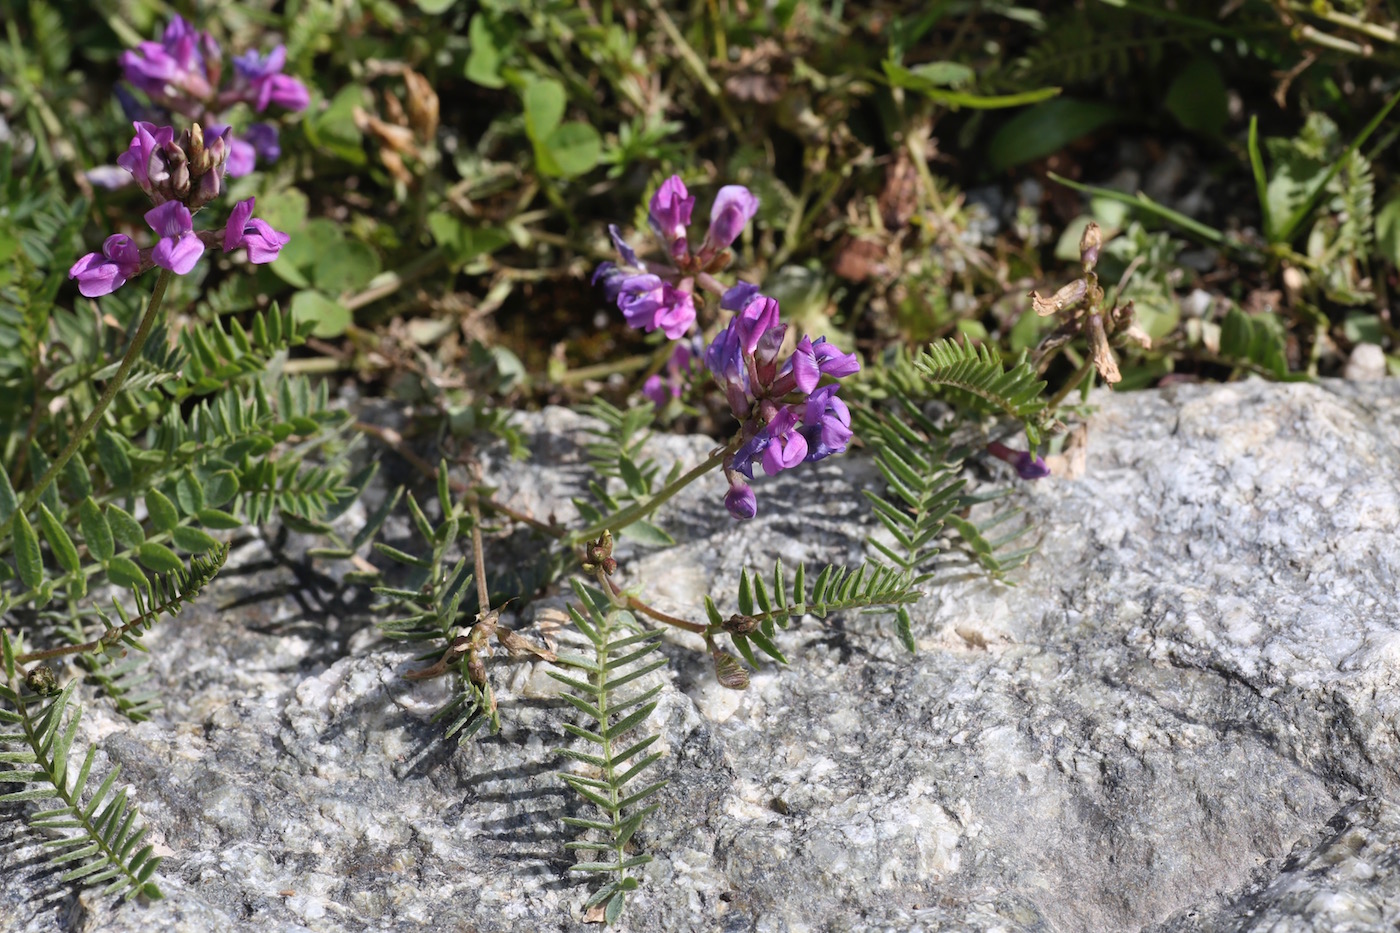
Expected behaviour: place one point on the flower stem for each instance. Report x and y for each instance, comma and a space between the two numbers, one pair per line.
1070, 385
114, 385
640, 510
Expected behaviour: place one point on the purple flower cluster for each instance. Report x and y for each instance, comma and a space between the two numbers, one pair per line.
661, 296
182, 72
180, 175
787, 416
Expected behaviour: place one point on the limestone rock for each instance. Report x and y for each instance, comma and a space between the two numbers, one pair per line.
1184, 716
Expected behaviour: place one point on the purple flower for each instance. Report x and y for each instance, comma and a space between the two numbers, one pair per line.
832, 362
759, 317
809, 362
662, 389
648, 302
1027, 464
628, 254
284, 91
257, 236
265, 141
110, 177
826, 424
749, 453
671, 208
738, 297
786, 446
178, 248
734, 207
103, 274
262, 79
254, 67
241, 157
173, 71
145, 157
656, 390
740, 500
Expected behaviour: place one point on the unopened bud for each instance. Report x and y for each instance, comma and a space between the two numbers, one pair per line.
476, 671
598, 555
740, 624
422, 105
41, 680
193, 141
1089, 245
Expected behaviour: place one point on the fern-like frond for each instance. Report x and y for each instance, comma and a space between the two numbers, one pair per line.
213, 355
616, 454
100, 833
835, 589
975, 377
426, 607
925, 506
611, 756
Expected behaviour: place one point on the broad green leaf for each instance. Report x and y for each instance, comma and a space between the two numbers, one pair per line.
162, 510
193, 540
220, 488
59, 542
113, 459
335, 130
1197, 98
571, 150
158, 557
1046, 128
125, 529
124, 572
27, 558
462, 243
544, 100
189, 493
96, 533
9, 502
434, 7
218, 520
345, 266
484, 59
329, 317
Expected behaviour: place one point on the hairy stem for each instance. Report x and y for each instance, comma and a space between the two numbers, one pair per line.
651, 611
114, 385
639, 510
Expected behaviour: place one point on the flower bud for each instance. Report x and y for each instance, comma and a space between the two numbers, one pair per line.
41, 680
1089, 245
734, 207
740, 624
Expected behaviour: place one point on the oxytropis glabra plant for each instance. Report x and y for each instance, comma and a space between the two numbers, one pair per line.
785, 402
182, 74
180, 175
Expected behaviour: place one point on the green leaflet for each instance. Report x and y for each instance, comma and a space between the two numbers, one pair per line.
101, 832
622, 653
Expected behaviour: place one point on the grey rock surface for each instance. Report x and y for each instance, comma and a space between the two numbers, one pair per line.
1184, 717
